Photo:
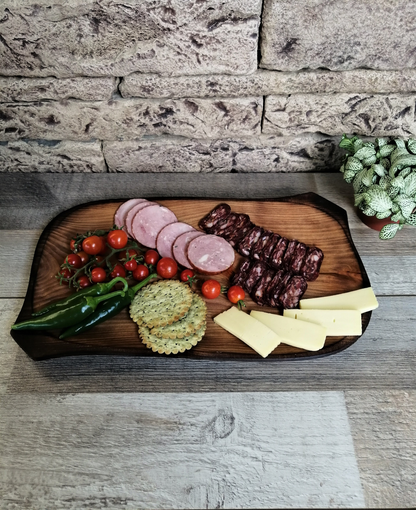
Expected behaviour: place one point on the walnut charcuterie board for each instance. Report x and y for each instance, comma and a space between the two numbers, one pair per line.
308, 218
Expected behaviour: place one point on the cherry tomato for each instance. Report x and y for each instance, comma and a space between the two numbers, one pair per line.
118, 271
151, 257
185, 274
166, 267
130, 253
84, 257
72, 245
74, 260
66, 273
117, 239
130, 265
236, 295
98, 274
211, 289
83, 281
141, 272
105, 249
92, 245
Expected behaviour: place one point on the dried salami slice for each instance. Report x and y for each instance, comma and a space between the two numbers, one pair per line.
245, 245
293, 291
269, 247
219, 212
224, 224
254, 274
240, 275
121, 213
235, 237
259, 293
167, 236
180, 247
287, 257
149, 221
210, 254
132, 213
298, 258
241, 221
276, 286
276, 258
312, 264
258, 248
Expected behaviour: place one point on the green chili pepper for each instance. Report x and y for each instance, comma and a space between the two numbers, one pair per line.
66, 317
96, 290
106, 310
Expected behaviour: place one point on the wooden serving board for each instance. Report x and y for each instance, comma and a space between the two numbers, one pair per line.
308, 218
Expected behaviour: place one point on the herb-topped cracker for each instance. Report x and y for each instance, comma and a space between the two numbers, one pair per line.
167, 345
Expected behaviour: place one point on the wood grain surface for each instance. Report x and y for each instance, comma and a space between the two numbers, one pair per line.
308, 218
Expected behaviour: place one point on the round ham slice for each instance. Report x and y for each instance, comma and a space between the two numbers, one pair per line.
167, 236
210, 254
180, 247
121, 213
132, 213
149, 221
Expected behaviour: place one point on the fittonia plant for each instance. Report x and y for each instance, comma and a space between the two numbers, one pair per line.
383, 175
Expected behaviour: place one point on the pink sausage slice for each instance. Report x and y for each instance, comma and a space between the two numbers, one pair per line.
180, 247
148, 222
210, 254
124, 208
132, 213
167, 236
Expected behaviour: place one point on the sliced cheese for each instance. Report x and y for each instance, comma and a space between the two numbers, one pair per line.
303, 335
336, 322
252, 332
363, 300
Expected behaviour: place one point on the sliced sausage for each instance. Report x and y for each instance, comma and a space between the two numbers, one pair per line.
287, 257
293, 291
245, 245
210, 254
298, 258
312, 264
167, 236
241, 221
223, 225
276, 286
276, 258
259, 293
269, 247
240, 275
258, 248
235, 237
180, 247
254, 273
149, 221
132, 213
124, 208
219, 212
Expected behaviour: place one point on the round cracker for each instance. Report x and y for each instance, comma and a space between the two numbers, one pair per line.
193, 320
167, 345
161, 303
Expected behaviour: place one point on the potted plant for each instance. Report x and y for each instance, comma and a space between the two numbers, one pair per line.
383, 175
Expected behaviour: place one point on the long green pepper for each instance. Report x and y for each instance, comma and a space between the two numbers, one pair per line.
98, 289
105, 311
66, 317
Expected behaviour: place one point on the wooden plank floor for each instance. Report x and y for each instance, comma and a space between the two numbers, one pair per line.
122, 432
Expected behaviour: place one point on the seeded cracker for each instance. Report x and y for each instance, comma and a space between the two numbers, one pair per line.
161, 303
167, 345
192, 321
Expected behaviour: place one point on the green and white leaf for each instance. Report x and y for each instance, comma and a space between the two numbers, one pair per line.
401, 144
384, 182
349, 176
358, 181
395, 208
402, 162
384, 214
386, 150
389, 231
380, 142
405, 172
411, 220
359, 198
397, 182
365, 152
353, 164
369, 161
411, 145
380, 170
406, 204
410, 184
367, 178
398, 217
378, 199
347, 143
385, 162
358, 143
368, 211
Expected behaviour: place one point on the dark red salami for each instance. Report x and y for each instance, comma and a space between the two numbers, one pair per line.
276, 286
269, 247
293, 291
287, 257
258, 248
312, 264
245, 245
259, 293
219, 212
276, 258
241, 221
240, 275
223, 225
298, 258
235, 237
254, 274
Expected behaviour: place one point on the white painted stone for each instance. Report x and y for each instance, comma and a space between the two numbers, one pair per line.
127, 119
116, 37
179, 450
36, 89
57, 156
311, 152
335, 114
266, 83
338, 34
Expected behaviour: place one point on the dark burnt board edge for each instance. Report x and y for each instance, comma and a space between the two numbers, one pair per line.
45, 345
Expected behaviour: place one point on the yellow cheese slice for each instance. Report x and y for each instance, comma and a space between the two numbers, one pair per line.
304, 335
336, 322
363, 300
252, 332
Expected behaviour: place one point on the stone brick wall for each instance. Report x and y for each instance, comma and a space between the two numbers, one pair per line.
200, 86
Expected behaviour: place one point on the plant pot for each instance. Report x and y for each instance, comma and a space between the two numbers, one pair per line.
372, 221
